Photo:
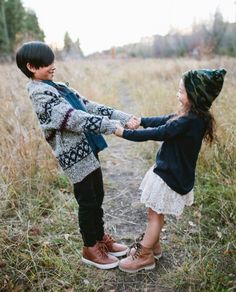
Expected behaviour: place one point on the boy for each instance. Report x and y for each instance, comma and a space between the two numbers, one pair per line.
72, 126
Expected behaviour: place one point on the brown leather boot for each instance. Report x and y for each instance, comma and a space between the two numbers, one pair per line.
98, 256
114, 248
142, 259
156, 249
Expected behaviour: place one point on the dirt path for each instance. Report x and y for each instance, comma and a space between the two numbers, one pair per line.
125, 217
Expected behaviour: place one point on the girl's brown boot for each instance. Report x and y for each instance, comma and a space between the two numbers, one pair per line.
142, 259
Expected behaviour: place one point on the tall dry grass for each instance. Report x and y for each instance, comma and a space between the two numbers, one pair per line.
37, 209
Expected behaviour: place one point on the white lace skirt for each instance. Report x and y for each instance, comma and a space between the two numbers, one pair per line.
158, 196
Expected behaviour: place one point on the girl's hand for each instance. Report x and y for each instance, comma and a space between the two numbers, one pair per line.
119, 130
133, 123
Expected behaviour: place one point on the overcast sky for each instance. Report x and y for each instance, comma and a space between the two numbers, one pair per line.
101, 24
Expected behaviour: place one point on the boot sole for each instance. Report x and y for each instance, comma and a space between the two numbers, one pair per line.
135, 271
119, 253
158, 256
100, 266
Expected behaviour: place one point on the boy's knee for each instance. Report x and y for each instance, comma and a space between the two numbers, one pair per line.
88, 205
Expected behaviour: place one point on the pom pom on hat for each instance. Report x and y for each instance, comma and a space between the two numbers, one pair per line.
203, 86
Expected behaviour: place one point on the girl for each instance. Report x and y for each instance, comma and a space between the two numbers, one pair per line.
167, 186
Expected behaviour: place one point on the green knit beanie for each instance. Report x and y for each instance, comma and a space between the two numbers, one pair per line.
203, 86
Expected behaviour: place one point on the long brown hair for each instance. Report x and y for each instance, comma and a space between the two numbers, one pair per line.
207, 116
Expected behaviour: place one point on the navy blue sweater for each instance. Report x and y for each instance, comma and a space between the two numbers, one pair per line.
177, 157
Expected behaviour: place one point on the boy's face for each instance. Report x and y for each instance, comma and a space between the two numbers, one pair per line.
42, 73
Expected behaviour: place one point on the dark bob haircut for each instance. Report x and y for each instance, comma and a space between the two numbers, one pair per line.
36, 53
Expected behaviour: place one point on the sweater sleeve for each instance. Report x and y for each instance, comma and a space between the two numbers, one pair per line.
55, 113
105, 111
154, 121
164, 132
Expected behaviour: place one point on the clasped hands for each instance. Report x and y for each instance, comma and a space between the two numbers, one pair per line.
132, 124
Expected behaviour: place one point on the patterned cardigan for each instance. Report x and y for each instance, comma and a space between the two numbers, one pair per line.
64, 128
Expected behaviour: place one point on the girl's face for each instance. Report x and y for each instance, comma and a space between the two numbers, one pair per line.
42, 73
182, 94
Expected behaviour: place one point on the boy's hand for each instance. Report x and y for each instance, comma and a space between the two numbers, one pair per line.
133, 123
119, 130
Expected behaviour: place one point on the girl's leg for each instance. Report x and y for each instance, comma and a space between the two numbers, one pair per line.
152, 234
143, 256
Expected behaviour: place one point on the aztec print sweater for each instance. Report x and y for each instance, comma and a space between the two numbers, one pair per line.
64, 128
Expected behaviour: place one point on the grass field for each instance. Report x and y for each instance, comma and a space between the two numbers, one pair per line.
39, 245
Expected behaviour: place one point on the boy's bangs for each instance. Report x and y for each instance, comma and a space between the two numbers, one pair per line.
43, 56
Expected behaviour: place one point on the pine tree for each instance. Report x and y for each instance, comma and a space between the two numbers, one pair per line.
77, 46
14, 11
4, 37
218, 30
71, 49
17, 25
68, 43
31, 29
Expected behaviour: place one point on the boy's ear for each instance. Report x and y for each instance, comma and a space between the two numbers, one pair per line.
31, 68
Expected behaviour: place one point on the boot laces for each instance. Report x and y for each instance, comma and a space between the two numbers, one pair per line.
138, 249
108, 240
102, 249
137, 242
140, 238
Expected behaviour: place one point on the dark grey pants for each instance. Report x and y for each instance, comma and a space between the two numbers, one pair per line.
89, 194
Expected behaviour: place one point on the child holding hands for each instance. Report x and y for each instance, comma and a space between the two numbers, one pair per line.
168, 186
72, 126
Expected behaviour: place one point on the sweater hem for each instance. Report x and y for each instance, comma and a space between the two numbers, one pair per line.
173, 187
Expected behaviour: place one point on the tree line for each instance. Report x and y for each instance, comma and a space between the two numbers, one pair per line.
16, 25
210, 38
213, 38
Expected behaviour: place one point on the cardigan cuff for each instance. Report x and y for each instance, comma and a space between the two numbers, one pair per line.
142, 122
111, 127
